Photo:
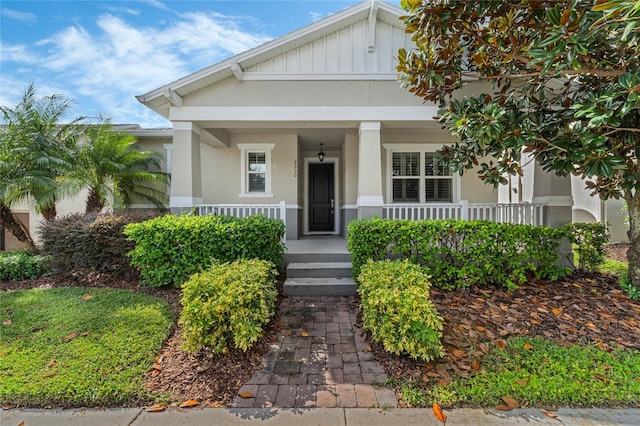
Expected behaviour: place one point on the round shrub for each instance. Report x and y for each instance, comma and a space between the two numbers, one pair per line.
228, 304
396, 309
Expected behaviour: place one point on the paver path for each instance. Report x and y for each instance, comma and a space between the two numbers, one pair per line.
319, 360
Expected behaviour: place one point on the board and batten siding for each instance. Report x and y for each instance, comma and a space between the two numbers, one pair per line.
342, 52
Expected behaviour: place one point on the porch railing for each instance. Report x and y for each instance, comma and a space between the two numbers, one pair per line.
274, 211
522, 213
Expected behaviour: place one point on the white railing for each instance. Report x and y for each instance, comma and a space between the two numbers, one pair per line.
522, 213
274, 211
422, 211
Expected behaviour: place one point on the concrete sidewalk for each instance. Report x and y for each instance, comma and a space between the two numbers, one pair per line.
315, 416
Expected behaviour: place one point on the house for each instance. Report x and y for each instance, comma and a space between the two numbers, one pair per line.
314, 128
248, 132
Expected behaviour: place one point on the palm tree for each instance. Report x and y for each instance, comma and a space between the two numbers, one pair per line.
111, 167
36, 150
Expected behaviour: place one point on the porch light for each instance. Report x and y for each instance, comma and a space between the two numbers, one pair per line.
321, 154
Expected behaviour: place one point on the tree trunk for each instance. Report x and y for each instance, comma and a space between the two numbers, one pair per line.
94, 202
13, 225
633, 255
50, 213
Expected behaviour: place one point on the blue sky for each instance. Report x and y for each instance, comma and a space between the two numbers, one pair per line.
103, 53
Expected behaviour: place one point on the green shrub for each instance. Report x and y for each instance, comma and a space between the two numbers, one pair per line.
93, 242
169, 249
588, 240
228, 304
396, 309
458, 254
18, 265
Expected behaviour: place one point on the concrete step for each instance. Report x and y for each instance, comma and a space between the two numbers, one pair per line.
319, 287
319, 270
316, 257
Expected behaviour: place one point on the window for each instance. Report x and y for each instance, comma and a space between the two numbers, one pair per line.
256, 170
405, 171
438, 180
416, 175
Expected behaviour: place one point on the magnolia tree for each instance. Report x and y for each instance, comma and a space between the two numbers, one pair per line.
566, 89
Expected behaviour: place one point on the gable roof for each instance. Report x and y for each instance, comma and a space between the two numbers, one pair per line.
162, 98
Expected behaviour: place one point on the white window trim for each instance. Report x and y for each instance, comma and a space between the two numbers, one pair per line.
421, 148
245, 149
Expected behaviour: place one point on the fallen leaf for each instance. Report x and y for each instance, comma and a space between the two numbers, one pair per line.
475, 364
440, 415
367, 348
156, 408
500, 344
52, 363
21, 423
591, 325
601, 378
287, 333
87, 297
189, 403
503, 407
550, 415
528, 346
521, 382
37, 329
7, 406
480, 328
70, 337
6, 322
511, 402
557, 312
246, 395
304, 334
85, 333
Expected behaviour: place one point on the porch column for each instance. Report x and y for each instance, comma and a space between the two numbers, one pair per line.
555, 192
370, 200
186, 177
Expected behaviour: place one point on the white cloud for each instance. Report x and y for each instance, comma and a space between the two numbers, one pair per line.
18, 16
16, 53
119, 60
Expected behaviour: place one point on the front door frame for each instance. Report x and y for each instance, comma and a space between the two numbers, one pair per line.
336, 188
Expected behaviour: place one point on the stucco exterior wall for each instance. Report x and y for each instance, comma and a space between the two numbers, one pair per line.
221, 172
231, 92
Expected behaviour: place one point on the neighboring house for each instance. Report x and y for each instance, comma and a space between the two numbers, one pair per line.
157, 140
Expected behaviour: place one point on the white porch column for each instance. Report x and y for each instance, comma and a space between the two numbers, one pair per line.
555, 192
186, 176
370, 200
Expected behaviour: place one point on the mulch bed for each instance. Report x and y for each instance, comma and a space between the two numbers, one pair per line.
583, 308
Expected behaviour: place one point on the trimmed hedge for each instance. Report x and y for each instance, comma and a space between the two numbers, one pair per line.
228, 304
169, 249
396, 309
458, 254
18, 265
94, 241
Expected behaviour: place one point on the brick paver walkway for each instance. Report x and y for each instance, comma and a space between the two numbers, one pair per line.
319, 360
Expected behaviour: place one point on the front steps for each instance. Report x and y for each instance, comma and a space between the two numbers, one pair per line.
321, 274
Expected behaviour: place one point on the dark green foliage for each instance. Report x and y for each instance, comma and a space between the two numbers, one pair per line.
94, 242
589, 240
396, 309
169, 249
228, 304
18, 265
458, 254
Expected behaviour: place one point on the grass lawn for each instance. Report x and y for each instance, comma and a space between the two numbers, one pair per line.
538, 372
79, 346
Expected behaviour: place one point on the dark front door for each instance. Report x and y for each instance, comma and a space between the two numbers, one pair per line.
321, 197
